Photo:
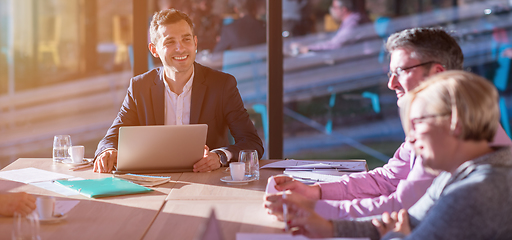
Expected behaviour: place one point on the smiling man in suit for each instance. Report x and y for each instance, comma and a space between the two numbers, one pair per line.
183, 92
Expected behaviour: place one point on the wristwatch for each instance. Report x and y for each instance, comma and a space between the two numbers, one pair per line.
223, 158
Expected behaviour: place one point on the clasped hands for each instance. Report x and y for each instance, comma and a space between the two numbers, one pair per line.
106, 161
394, 222
300, 200
302, 218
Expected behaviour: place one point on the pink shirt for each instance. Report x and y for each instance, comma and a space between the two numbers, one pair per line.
346, 33
396, 185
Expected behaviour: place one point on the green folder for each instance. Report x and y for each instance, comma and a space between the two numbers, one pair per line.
104, 187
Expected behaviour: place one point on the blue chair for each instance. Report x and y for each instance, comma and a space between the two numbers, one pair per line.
501, 81
332, 102
262, 110
381, 28
374, 97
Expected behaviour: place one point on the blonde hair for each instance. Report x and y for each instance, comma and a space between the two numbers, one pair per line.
470, 100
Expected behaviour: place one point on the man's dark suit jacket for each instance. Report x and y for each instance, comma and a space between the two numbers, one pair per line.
242, 32
215, 101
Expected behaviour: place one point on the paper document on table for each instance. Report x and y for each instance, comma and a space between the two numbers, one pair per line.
353, 166
333, 172
283, 236
64, 206
32, 175
312, 177
57, 188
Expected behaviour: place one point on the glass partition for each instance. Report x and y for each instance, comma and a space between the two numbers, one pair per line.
337, 103
65, 66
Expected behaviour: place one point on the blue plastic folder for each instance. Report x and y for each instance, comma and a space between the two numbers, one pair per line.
104, 187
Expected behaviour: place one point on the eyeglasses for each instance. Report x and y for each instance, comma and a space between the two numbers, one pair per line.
414, 121
399, 70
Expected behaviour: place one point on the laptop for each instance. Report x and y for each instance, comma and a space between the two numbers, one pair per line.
160, 148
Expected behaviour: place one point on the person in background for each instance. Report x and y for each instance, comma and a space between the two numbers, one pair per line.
245, 31
183, 92
20, 202
297, 19
450, 119
415, 54
207, 24
342, 11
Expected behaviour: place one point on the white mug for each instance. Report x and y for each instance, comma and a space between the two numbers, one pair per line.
237, 170
45, 207
77, 153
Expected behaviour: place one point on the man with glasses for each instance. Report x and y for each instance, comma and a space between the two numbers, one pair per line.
415, 54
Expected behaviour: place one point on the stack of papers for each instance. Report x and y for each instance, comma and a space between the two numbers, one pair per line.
311, 171
355, 166
40, 178
283, 236
32, 175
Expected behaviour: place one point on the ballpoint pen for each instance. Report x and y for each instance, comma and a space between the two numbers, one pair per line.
285, 214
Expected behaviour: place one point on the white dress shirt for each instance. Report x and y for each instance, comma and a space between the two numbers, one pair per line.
177, 107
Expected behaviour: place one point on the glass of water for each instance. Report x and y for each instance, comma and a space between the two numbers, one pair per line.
25, 227
252, 164
61, 144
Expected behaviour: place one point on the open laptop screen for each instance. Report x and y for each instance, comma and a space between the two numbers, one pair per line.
160, 148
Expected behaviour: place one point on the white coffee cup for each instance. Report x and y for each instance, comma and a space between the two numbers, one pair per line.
237, 170
77, 153
45, 207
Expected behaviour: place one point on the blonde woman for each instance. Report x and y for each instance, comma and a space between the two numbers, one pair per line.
450, 120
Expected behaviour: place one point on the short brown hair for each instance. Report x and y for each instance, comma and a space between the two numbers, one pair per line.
167, 16
470, 100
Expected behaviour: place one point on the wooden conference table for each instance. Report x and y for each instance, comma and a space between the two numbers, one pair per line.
175, 210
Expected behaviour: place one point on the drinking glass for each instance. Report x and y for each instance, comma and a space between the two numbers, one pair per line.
252, 165
25, 227
61, 144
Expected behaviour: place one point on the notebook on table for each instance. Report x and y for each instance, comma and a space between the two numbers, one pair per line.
159, 149
103, 187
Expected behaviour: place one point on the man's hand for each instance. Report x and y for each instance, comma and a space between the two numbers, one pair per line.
284, 183
209, 162
307, 222
297, 48
274, 203
394, 222
507, 53
105, 161
21, 202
